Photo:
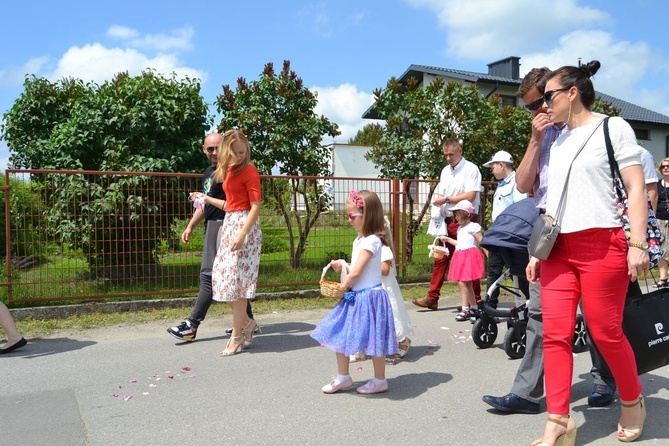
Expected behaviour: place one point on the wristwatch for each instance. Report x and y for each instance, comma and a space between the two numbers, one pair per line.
448, 200
640, 245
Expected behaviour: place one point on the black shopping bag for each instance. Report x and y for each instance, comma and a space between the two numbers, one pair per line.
646, 325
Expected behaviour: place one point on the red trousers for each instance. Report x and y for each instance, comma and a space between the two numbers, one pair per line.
592, 265
440, 266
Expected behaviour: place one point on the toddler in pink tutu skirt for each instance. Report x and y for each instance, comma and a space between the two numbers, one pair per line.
467, 261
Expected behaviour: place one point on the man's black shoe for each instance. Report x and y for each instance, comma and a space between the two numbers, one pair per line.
601, 396
512, 403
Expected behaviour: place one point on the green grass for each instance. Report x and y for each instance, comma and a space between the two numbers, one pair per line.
65, 278
38, 328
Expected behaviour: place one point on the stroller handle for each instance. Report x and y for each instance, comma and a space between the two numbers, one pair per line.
490, 311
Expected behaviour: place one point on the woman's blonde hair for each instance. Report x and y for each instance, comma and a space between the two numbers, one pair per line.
659, 166
372, 216
226, 156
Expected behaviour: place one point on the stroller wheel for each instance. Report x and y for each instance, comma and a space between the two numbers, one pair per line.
514, 340
484, 332
578, 341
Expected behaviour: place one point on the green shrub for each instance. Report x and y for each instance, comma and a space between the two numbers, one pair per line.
26, 208
274, 244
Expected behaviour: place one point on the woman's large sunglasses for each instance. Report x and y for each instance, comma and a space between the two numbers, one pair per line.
548, 96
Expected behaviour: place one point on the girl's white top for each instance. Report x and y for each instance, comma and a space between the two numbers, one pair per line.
466, 238
403, 327
387, 255
371, 275
590, 197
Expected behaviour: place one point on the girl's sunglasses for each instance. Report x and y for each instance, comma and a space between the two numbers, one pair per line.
352, 217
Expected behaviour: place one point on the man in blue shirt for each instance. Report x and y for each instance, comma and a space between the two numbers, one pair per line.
506, 194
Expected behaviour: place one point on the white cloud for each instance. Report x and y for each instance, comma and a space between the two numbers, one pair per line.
553, 34
315, 18
328, 20
14, 76
177, 39
122, 32
624, 65
488, 29
97, 63
344, 105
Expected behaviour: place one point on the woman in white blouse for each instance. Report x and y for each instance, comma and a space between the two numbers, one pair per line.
591, 258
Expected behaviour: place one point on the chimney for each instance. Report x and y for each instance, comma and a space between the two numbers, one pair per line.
509, 68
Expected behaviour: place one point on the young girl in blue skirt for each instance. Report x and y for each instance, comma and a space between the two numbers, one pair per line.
467, 262
363, 320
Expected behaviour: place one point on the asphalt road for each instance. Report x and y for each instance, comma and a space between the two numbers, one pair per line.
135, 385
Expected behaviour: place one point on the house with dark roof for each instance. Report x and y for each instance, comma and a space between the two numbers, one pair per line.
503, 78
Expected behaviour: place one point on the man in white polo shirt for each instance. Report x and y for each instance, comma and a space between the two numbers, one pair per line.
460, 180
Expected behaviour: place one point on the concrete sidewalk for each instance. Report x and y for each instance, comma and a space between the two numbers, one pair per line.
135, 385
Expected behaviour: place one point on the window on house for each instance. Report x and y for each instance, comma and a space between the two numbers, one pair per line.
508, 101
642, 134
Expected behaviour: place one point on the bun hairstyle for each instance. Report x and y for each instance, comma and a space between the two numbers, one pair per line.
579, 77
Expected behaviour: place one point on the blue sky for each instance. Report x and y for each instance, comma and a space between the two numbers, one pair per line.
342, 49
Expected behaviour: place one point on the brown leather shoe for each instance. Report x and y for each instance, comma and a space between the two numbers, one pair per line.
426, 303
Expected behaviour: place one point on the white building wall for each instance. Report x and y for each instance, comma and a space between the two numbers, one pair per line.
349, 161
657, 145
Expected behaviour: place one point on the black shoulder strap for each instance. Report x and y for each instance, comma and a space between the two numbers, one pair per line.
615, 171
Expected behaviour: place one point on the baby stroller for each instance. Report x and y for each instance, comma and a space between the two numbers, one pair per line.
508, 236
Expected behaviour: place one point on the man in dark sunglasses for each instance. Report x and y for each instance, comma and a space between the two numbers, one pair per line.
528, 385
213, 219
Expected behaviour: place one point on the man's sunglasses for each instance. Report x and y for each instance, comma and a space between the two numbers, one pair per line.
211, 149
548, 96
536, 105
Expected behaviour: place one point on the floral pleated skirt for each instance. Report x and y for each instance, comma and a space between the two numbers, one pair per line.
235, 273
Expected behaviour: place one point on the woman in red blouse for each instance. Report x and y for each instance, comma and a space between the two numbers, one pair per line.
235, 270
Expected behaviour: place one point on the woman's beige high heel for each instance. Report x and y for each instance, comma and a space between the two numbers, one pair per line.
239, 341
567, 438
248, 332
631, 433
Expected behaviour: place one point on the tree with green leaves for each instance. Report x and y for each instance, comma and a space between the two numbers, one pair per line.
276, 112
145, 123
419, 118
369, 135
604, 107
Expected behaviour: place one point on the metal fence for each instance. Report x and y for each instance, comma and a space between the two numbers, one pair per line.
89, 235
